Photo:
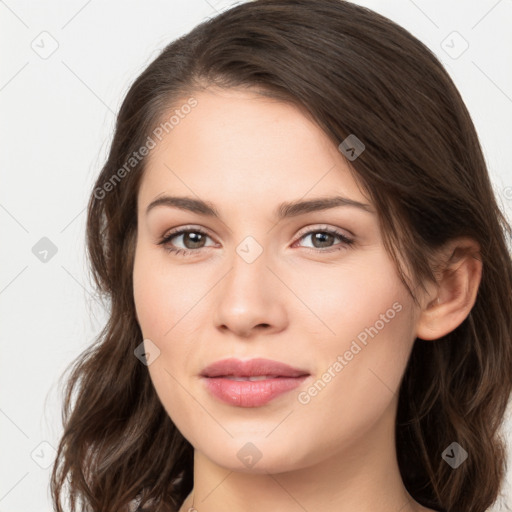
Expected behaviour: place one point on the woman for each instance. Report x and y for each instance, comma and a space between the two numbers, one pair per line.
308, 278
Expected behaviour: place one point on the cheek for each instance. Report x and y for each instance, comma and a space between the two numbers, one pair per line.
359, 372
161, 297
167, 306
352, 297
366, 339
161, 303
147, 297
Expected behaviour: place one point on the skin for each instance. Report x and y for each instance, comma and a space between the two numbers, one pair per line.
299, 303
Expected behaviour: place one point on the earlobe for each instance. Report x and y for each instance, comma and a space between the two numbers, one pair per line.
457, 288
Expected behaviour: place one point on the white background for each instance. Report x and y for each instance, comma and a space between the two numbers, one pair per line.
57, 121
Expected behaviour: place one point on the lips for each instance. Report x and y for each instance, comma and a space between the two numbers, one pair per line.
250, 383
251, 368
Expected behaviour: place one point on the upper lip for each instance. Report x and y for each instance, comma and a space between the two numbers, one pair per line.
251, 368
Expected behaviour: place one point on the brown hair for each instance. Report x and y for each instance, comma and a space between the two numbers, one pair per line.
355, 72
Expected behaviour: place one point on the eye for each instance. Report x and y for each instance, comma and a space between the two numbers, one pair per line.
322, 237
196, 240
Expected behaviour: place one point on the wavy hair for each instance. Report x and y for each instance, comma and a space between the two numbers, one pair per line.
354, 72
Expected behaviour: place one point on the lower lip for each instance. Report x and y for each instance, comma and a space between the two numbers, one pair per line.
246, 393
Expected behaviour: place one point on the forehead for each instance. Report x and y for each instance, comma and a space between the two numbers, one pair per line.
238, 144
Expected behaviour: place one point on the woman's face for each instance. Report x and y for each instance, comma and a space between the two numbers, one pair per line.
257, 285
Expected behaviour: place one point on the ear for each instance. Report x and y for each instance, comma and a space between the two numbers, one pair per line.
455, 294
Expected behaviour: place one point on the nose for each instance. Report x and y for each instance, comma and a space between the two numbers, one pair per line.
250, 299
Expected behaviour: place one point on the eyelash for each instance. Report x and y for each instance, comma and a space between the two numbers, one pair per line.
185, 252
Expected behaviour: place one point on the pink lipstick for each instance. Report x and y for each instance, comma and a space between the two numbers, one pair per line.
251, 383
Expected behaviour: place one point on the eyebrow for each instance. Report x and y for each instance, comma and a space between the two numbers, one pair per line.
284, 210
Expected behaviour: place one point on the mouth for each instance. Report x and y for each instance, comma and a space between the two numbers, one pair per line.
251, 383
